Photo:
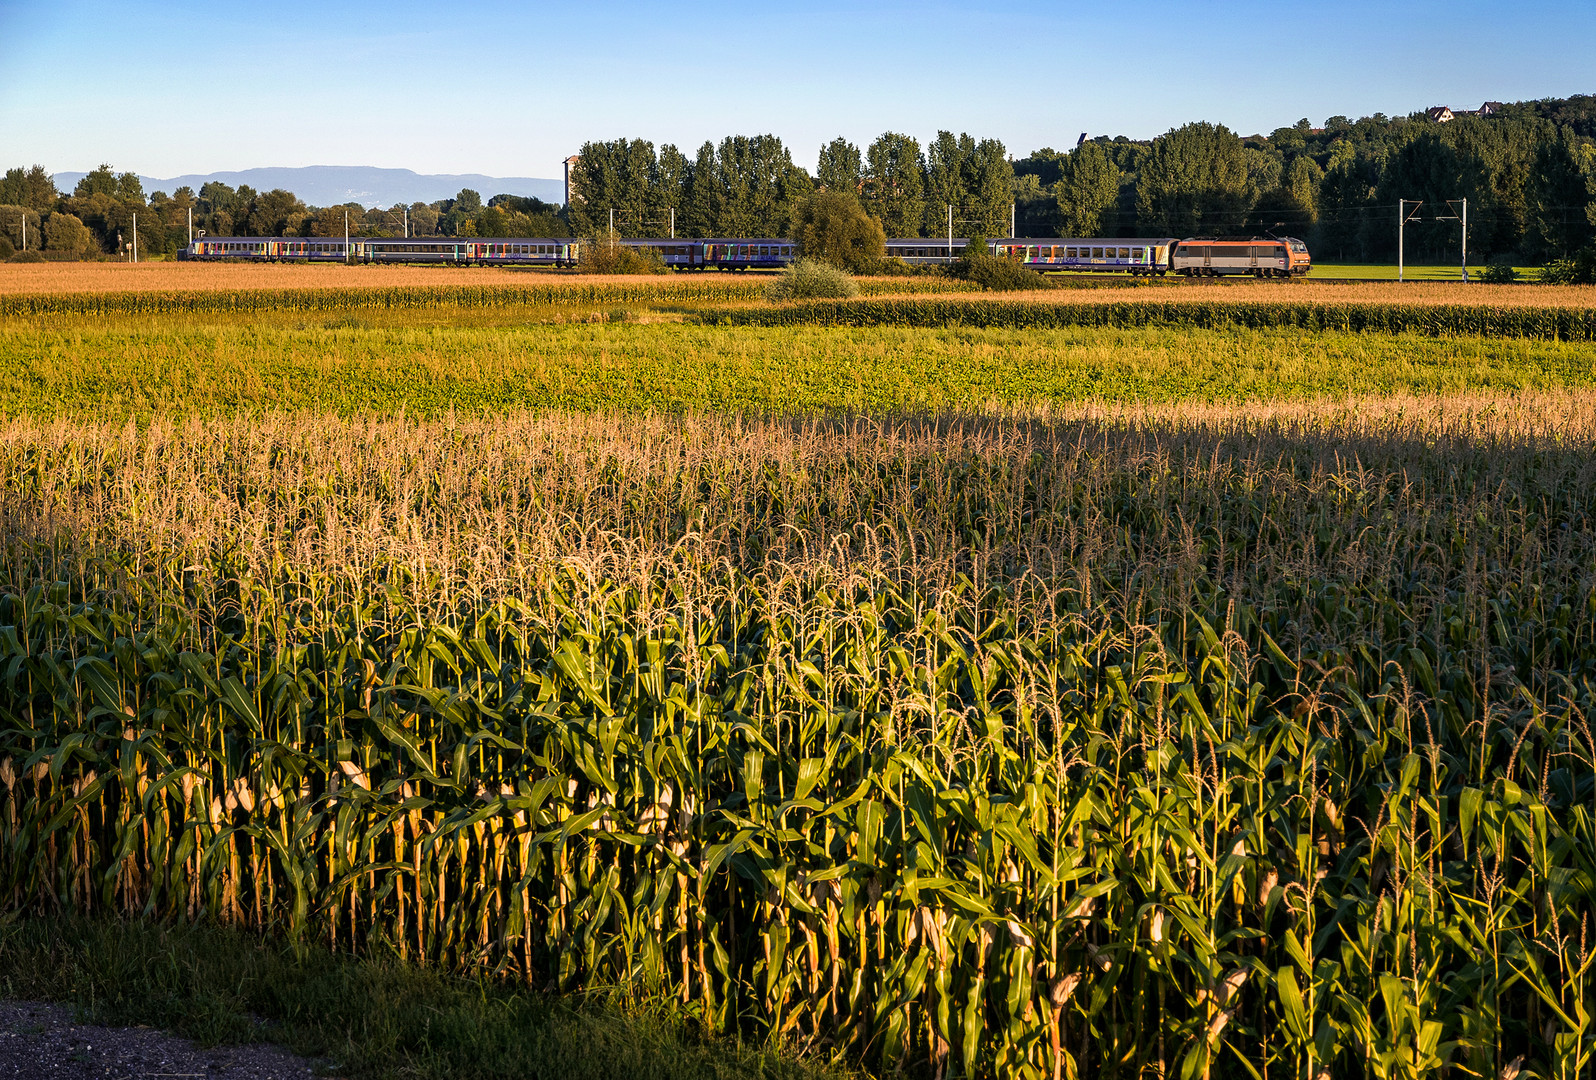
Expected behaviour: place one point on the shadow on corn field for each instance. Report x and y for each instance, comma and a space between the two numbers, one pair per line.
1107, 743
373, 1016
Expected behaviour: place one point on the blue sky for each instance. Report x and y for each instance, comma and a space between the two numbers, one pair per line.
511, 89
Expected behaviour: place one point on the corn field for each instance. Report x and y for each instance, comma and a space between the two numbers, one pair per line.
1123, 745
1178, 309
676, 289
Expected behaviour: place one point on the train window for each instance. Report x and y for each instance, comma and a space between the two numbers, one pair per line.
1069, 253
1124, 253
1097, 253
1136, 254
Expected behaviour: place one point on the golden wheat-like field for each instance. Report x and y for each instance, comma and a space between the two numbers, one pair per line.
190, 276
1314, 292
92, 277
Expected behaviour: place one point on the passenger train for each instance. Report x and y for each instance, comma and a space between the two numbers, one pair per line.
1257, 256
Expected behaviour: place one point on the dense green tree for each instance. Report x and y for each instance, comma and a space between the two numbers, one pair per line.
1036, 213
33, 188
424, 218
759, 186
1266, 168
1497, 159
1046, 164
66, 234
1346, 198
458, 215
617, 176
217, 208
129, 188
1560, 196
947, 178
12, 220
1469, 158
975, 178
1193, 180
515, 215
101, 181
329, 221
673, 176
990, 180
841, 167
894, 187
1292, 205
702, 199
107, 202
832, 225
276, 213
1087, 192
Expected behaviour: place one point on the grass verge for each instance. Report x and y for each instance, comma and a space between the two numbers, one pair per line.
368, 1017
1388, 272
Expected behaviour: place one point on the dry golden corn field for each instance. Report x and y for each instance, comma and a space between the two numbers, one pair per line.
1087, 738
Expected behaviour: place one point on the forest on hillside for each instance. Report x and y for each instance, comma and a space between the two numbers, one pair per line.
1527, 169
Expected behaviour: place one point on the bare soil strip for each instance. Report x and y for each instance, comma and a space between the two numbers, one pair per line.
39, 1041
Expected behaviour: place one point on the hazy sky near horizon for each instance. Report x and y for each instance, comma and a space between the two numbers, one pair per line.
511, 89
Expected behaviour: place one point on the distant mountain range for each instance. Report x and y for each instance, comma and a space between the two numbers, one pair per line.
330, 185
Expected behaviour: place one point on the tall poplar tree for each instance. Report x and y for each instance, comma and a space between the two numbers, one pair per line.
673, 177
841, 167
702, 201
1193, 180
894, 187
947, 183
1086, 192
989, 180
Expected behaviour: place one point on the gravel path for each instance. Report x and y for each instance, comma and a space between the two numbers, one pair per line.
42, 1042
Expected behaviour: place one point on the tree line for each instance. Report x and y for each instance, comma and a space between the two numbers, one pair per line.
749, 186
1528, 171
98, 217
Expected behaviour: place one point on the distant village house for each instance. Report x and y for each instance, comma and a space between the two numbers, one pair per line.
1440, 114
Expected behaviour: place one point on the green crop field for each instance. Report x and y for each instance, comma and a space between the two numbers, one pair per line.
382, 363
1138, 693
